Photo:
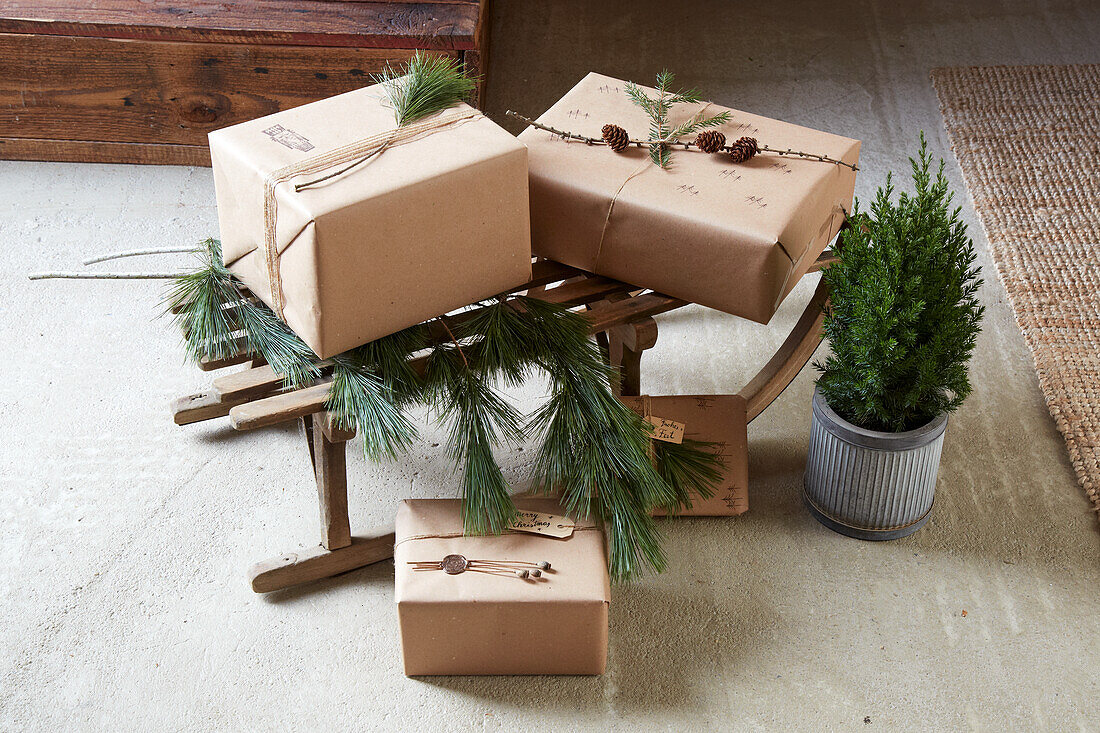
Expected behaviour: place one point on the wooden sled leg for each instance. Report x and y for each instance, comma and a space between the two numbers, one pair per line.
625, 346
791, 356
338, 552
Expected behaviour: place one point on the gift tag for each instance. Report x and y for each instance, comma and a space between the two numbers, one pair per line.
550, 525
669, 431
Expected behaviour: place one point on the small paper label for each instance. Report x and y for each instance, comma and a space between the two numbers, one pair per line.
669, 431
550, 525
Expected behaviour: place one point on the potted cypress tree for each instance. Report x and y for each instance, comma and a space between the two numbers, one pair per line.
902, 322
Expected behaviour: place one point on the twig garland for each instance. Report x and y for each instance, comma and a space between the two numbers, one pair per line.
679, 144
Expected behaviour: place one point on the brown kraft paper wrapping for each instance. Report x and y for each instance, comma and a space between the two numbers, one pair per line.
476, 623
432, 223
731, 236
719, 419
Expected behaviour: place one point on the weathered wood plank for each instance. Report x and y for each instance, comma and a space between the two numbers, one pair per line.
202, 406
315, 563
332, 487
604, 316
279, 408
163, 92
97, 151
301, 22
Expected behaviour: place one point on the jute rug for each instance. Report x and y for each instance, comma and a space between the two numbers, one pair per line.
1028, 141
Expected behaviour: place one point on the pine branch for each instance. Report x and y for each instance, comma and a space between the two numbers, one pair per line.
391, 358
360, 398
689, 468
212, 311
268, 336
477, 416
593, 447
427, 84
200, 303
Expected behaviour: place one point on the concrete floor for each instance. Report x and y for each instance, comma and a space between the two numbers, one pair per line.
126, 537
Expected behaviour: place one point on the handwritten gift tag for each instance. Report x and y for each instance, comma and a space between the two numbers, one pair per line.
550, 525
669, 431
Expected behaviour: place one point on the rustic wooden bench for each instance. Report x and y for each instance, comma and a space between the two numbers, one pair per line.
621, 317
144, 81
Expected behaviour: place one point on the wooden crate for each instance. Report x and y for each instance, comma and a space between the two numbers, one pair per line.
144, 81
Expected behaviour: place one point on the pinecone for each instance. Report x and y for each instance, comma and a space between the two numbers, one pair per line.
709, 141
615, 137
744, 149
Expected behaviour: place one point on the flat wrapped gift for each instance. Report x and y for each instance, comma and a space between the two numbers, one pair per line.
731, 236
717, 419
482, 623
437, 220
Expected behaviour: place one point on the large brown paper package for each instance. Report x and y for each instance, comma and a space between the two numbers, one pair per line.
731, 236
718, 419
477, 623
436, 221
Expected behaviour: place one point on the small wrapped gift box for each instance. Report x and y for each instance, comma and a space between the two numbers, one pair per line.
717, 419
486, 622
435, 220
731, 236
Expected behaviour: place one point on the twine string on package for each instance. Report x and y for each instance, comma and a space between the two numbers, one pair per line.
355, 153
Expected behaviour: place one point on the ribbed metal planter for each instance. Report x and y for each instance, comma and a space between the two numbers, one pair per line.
867, 484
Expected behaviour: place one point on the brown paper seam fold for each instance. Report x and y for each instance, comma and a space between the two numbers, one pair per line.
337, 156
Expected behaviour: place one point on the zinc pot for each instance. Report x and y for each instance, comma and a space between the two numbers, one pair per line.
871, 485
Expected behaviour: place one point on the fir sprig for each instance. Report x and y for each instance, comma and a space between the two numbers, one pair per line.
903, 315
426, 85
658, 109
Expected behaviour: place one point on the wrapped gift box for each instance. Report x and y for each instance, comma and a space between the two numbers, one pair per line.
436, 221
481, 623
718, 419
731, 236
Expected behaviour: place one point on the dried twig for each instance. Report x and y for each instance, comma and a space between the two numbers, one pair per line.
140, 252
104, 275
566, 135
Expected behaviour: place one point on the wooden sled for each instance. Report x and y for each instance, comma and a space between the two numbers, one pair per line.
621, 317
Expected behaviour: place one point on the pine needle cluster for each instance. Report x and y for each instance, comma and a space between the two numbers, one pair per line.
903, 315
218, 321
426, 85
658, 109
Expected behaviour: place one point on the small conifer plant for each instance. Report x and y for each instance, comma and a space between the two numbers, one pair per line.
903, 314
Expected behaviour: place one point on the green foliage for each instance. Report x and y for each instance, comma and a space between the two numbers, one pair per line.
359, 397
593, 448
212, 313
426, 85
903, 315
688, 467
478, 415
658, 110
